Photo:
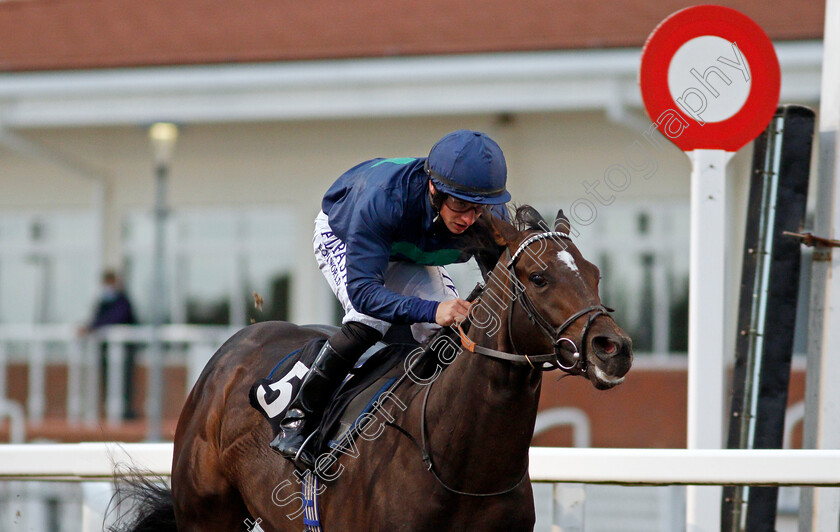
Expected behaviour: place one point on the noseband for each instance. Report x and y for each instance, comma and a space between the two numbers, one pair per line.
547, 361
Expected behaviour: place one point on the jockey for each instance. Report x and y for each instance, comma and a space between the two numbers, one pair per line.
386, 229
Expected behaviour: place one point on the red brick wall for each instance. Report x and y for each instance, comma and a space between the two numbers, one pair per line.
647, 410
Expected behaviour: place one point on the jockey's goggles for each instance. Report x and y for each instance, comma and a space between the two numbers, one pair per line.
462, 207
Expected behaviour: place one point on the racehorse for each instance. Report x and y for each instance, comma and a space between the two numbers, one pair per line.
455, 457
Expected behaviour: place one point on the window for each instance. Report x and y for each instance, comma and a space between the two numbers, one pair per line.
215, 260
49, 266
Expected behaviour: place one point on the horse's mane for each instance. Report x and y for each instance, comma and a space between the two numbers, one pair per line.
480, 238
527, 218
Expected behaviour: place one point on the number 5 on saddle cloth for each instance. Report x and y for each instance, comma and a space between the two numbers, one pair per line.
377, 370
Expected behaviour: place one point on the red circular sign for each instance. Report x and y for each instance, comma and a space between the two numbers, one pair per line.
710, 78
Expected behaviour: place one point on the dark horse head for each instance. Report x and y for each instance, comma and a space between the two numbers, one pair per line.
555, 289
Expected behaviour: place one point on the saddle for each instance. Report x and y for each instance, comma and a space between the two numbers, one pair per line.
376, 371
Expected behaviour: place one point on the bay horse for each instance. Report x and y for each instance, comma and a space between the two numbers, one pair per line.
540, 308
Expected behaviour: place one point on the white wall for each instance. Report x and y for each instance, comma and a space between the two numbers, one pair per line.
290, 165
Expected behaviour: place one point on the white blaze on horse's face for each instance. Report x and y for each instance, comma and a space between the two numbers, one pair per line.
567, 259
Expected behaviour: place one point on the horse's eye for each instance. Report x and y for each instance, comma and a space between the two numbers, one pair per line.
537, 279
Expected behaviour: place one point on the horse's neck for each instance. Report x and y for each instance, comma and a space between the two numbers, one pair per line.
482, 411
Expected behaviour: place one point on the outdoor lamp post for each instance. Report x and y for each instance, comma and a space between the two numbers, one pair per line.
162, 136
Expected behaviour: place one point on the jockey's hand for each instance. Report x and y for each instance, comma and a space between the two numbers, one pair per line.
450, 311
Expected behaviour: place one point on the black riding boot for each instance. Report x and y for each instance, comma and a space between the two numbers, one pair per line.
305, 411
326, 374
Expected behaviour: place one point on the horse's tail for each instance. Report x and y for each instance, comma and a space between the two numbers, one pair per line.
143, 503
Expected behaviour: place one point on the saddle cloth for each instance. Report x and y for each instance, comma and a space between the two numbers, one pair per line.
377, 370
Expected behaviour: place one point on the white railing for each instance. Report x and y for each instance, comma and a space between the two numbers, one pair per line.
567, 468
40, 346
656, 467
566, 416
76, 462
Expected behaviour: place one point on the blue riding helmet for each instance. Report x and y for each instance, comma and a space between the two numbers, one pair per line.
470, 166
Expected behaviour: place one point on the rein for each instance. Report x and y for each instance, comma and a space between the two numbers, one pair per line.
427, 457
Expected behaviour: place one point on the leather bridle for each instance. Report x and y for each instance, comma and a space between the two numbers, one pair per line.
548, 361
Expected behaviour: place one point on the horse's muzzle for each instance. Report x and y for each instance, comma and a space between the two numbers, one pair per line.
614, 354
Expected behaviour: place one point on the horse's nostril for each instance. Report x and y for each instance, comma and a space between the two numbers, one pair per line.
614, 353
605, 345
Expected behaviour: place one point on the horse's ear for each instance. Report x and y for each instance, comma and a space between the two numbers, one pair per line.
561, 223
528, 217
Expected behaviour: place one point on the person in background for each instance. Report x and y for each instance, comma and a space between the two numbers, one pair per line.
114, 308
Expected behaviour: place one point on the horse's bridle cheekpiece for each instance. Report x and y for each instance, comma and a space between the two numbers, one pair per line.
549, 361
